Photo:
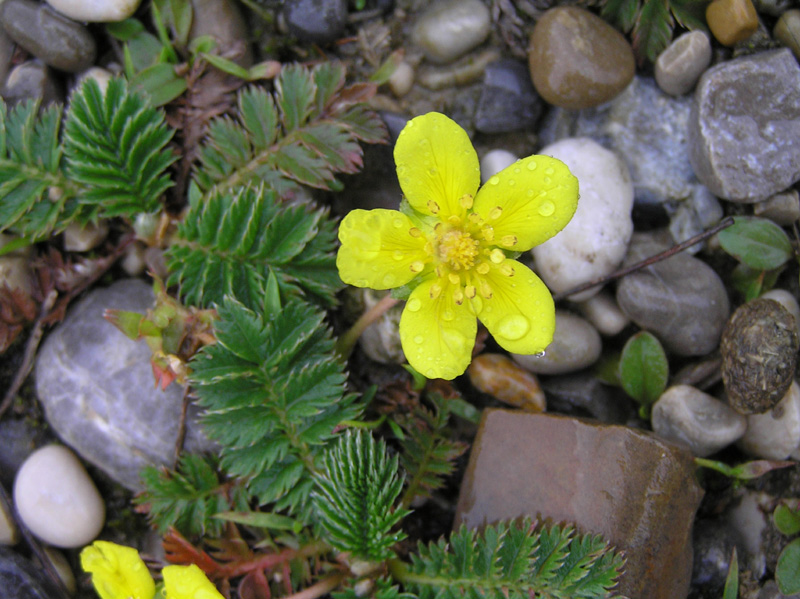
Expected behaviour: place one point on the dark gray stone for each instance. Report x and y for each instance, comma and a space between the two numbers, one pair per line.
508, 100
18, 439
98, 393
681, 300
20, 579
583, 394
744, 126
56, 40
316, 21
6, 51
30, 80
713, 544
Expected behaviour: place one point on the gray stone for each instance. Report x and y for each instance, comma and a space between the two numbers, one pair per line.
774, 435
744, 126
691, 217
783, 208
30, 80
679, 66
20, 579
18, 439
583, 394
316, 21
97, 389
647, 129
508, 100
713, 545
448, 29
223, 20
54, 39
6, 52
576, 345
681, 300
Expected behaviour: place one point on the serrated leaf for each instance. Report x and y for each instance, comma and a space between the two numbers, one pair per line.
621, 13
259, 116
653, 30
757, 242
787, 571
690, 14
295, 96
643, 368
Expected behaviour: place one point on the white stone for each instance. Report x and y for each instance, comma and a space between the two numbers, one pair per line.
783, 208
82, 238
15, 273
401, 81
604, 313
748, 521
96, 11
595, 241
774, 435
576, 345
679, 66
99, 74
495, 161
62, 568
133, 261
56, 499
8, 531
702, 423
788, 301
448, 29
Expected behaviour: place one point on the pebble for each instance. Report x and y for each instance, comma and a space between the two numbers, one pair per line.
316, 21
603, 313
647, 129
500, 377
788, 301
679, 66
774, 8
495, 161
577, 60
744, 126
99, 75
700, 422
51, 37
20, 438
594, 242
30, 80
6, 53
783, 208
636, 490
448, 29
584, 394
402, 79
20, 579
713, 546
787, 31
770, 590
82, 238
56, 499
9, 535
747, 520
759, 354
576, 345
381, 340
508, 101
775, 434
95, 11
223, 20
681, 300
97, 390
62, 568
15, 273
731, 21
698, 212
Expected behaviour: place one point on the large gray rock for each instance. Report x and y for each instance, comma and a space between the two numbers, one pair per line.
744, 126
508, 100
681, 300
20, 579
98, 393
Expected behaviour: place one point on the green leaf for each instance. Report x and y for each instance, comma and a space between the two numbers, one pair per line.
621, 13
787, 571
757, 242
653, 30
643, 368
295, 92
731, 590
745, 471
261, 520
690, 14
354, 497
125, 30
226, 66
160, 82
751, 283
787, 519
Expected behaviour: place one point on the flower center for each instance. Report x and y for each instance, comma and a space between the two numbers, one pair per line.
457, 249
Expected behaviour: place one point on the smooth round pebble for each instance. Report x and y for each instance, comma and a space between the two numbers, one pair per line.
731, 21
577, 60
62, 568
495, 161
679, 66
504, 379
32, 80
448, 29
82, 238
381, 340
56, 499
689, 417
576, 345
787, 31
223, 20
402, 80
316, 21
8, 531
15, 273
100, 75
783, 208
774, 435
604, 313
595, 241
788, 301
96, 11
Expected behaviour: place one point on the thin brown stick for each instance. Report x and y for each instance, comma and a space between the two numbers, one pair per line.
723, 224
323, 587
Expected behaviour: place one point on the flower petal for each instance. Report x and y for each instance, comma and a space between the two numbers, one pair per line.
117, 571
436, 165
436, 333
378, 249
520, 313
536, 197
188, 582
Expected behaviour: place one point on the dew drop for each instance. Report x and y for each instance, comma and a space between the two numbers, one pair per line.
430, 373
477, 303
539, 354
511, 182
397, 222
516, 171
361, 283
549, 171
455, 340
530, 193
547, 208
532, 165
419, 339
414, 304
389, 280
448, 315
397, 255
494, 180
547, 180
513, 326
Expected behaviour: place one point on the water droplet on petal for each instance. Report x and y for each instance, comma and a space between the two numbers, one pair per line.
511, 182
547, 208
513, 327
532, 165
448, 315
397, 222
430, 373
516, 171
454, 339
397, 255
414, 304
494, 180
419, 339
389, 280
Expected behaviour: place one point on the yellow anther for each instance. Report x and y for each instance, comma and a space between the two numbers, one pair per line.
486, 290
414, 232
509, 240
470, 291
457, 249
428, 248
435, 291
483, 268
497, 256
433, 207
466, 201
507, 269
454, 278
417, 266
488, 234
495, 212
475, 219
458, 297
454, 219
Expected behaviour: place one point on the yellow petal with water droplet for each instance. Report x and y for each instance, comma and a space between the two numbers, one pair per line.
532, 218
520, 314
436, 163
188, 582
376, 252
117, 571
447, 331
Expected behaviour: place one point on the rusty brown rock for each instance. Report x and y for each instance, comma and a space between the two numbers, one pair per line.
577, 60
635, 489
504, 379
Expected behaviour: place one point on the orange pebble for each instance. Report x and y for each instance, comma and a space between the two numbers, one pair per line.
731, 21
503, 379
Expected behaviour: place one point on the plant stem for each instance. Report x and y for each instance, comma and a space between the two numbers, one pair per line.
323, 587
346, 343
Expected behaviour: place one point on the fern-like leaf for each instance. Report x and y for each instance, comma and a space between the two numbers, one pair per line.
273, 390
115, 145
653, 29
514, 561
355, 495
188, 498
230, 244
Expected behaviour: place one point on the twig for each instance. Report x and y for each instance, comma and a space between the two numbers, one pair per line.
323, 587
181, 437
723, 224
346, 343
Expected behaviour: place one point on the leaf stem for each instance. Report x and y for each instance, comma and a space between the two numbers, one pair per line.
323, 587
346, 343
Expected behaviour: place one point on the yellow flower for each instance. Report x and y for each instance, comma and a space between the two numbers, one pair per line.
454, 244
188, 582
117, 571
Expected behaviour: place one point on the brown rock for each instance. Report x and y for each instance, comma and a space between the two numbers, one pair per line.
635, 489
731, 21
504, 379
577, 60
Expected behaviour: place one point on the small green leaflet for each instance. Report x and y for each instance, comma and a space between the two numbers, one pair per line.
757, 242
643, 368
787, 572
